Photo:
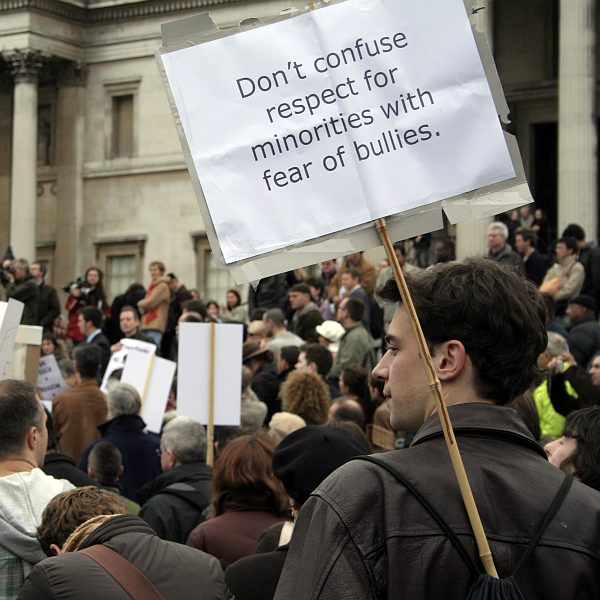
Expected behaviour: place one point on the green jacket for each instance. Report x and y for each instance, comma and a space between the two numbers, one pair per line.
552, 423
356, 347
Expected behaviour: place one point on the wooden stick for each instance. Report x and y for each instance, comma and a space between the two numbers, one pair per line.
210, 429
485, 553
149, 369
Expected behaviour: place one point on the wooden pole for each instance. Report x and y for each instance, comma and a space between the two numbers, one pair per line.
149, 370
485, 553
210, 429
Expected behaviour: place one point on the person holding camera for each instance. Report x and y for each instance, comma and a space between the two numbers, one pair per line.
86, 291
21, 286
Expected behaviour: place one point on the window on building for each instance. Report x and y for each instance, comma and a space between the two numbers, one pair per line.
213, 281
121, 272
121, 260
122, 126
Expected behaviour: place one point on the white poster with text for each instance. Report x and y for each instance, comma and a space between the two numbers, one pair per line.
335, 118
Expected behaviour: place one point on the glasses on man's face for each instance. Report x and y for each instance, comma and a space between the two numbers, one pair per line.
158, 452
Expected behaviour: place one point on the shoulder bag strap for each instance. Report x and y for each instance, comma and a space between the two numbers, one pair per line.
394, 472
550, 514
129, 577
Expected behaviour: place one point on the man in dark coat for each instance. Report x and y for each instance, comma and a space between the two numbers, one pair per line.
306, 314
90, 323
584, 331
535, 264
21, 286
499, 248
71, 527
127, 431
264, 382
269, 293
589, 257
364, 534
173, 503
49, 306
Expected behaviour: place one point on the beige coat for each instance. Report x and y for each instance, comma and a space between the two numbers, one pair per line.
573, 282
158, 298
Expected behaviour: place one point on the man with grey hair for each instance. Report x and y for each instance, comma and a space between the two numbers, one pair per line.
274, 321
24, 488
499, 250
20, 285
176, 499
127, 431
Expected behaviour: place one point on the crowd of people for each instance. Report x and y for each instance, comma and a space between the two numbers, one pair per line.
93, 504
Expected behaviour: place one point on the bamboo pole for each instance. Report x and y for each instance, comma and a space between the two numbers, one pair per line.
210, 429
149, 370
485, 553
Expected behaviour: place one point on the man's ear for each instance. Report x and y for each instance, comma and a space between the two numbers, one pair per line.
449, 360
55, 550
32, 438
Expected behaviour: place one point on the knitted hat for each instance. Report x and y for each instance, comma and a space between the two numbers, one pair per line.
585, 301
306, 457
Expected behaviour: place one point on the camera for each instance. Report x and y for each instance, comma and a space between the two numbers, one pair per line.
78, 284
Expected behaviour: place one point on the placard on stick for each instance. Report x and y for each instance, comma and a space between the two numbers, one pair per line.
357, 111
10, 317
193, 372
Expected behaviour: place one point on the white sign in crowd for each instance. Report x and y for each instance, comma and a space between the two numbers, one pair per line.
335, 118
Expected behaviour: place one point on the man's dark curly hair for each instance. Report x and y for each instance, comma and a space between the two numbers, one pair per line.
493, 310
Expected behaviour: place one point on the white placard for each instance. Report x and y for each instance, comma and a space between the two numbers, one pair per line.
119, 358
157, 395
342, 115
10, 317
50, 379
192, 374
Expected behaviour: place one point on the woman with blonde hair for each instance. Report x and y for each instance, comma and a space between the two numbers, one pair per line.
246, 499
306, 394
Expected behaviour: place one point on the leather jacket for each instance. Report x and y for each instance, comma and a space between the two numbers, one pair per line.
363, 535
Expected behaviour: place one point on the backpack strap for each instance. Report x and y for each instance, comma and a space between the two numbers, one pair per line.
127, 575
394, 472
548, 517
557, 502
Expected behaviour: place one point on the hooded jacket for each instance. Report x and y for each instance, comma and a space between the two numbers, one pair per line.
177, 572
176, 500
23, 498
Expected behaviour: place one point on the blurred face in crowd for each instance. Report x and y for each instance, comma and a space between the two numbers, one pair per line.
520, 244
560, 451
402, 370
20, 273
348, 281
155, 272
81, 324
301, 365
562, 251
232, 300
342, 313
576, 311
128, 322
496, 240
36, 271
298, 300
92, 278
47, 347
328, 267
212, 310
595, 371
354, 258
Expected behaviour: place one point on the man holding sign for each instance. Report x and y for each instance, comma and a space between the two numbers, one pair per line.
375, 539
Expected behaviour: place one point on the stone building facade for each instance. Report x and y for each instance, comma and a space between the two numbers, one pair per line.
91, 170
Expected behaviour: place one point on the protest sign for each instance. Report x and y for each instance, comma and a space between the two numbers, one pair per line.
157, 394
357, 111
118, 359
50, 380
10, 317
193, 372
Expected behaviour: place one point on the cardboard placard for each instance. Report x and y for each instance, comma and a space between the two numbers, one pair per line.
193, 376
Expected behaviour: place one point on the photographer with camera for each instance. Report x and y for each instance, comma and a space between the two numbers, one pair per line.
21, 286
83, 292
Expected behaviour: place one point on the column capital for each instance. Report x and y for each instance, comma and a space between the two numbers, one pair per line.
72, 74
25, 65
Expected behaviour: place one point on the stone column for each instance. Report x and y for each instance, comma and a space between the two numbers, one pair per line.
577, 137
69, 171
25, 68
471, 237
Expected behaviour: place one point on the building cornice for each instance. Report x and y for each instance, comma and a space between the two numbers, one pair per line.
93, 16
